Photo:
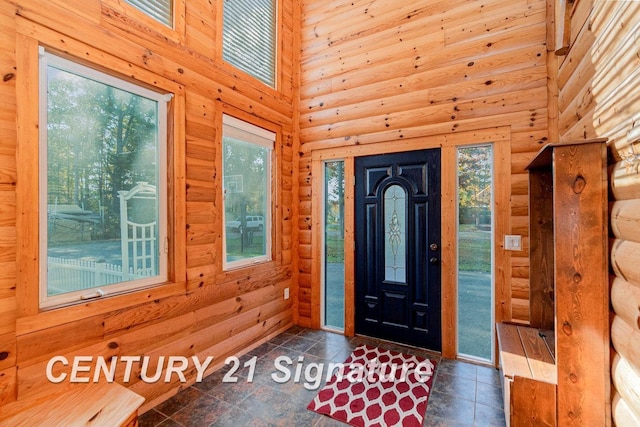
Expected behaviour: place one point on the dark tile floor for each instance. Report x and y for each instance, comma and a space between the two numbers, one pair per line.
462, 394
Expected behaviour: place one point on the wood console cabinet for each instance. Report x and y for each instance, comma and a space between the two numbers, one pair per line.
569, 285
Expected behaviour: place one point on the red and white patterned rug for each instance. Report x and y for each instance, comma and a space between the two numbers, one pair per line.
377, 387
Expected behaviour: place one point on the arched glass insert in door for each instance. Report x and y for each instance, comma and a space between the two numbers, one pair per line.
395, 233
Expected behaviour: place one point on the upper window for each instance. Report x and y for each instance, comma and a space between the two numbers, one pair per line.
246, 161
160, 10
103, 192
249, 37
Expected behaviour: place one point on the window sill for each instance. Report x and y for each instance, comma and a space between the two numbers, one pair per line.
86, 309
247, 264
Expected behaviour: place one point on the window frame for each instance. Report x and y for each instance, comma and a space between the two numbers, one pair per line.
492, 248
323, 245
276, 48
126, 16
261, 135
30, 317
47, 59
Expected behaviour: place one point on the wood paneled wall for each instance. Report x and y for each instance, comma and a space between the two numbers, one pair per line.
599, 96
206, 311
386, 74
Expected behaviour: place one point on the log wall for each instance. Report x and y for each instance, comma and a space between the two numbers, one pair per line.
390, 75
598, 96
205, 311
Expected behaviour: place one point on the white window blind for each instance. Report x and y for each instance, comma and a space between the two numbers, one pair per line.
160, 10
249, 37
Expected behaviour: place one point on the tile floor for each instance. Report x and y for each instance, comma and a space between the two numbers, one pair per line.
462, 394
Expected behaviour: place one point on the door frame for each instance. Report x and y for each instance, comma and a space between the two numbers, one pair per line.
500, 137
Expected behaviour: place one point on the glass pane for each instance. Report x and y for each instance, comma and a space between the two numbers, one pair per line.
249, 37
395, 220
160, 10
475, 265
246, 181
334, 244
102, 170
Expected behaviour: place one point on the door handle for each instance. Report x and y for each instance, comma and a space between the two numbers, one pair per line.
434, 260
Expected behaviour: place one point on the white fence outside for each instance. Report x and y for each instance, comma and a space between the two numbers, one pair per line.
69, 275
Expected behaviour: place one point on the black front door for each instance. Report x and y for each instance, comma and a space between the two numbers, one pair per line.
398, 247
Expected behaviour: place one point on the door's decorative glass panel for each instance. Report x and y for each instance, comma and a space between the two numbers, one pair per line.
395, 224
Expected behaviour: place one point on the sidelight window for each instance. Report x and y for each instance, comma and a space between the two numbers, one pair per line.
475, 254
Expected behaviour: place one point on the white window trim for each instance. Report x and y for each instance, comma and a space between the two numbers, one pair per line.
247, 132
48, 59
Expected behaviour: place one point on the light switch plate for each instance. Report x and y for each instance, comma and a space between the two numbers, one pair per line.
512, 242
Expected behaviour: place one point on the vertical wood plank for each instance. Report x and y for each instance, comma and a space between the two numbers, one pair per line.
317, 216
502, 205
295, 209
552, 73
349, 248
581, 284
27, 221
449, 264
541, 284
532, 403
177, 199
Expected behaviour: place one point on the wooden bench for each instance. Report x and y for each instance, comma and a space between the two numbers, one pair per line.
529, 375
101, 404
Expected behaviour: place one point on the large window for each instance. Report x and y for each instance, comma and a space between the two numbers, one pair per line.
103, 193
160, 10
246, 161
249, 37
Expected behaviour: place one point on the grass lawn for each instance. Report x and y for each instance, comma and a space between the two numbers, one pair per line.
252, 247
474, 292
474, 249
334, 248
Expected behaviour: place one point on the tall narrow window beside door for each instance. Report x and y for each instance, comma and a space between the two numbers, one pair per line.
475, 254
334, 244
246, 162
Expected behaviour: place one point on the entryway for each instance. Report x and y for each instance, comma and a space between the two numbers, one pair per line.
397, 235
